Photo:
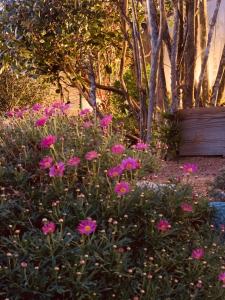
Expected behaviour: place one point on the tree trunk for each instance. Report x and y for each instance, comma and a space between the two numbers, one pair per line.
221, 89
206, 53
156, 41
189, 56
174, 51
203, 35
217, 84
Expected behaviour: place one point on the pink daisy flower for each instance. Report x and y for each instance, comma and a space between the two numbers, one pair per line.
190, 168
130, 164
36, 107
122, 188
163, 225
85, 112
73, 161
115, 171
86, 227
48, 141
57, 170
104, 122
91, 155
118, 149
48, 228
46, 162
221, 277
10, 114
186, 207
141, 146
41, 122
197, 253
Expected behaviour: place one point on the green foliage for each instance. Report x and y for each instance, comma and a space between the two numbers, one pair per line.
127, 256
167, 137
20, 90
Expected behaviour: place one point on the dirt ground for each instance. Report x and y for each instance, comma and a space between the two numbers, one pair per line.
208, 168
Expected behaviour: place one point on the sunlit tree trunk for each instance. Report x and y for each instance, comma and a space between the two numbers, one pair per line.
189, 56
206, 53
218, 81
156, 41
203, 35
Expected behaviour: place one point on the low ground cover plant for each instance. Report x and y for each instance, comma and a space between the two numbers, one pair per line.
75, 225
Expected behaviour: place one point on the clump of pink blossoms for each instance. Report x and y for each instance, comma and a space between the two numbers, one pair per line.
141, 146
46, 162
122, 188
115, 171
130, 164
73, 161
84, 112
41, 122
57, 170
91, 155
118, 149
197, 253
190, 168
221, 277
87, 227
48, 141
163, 225
48, 228
104, 122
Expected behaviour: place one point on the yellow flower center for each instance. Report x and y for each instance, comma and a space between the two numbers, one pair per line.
189, 170
129, 166
122, 190
87, 228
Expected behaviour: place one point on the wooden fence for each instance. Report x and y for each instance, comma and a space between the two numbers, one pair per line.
202, 131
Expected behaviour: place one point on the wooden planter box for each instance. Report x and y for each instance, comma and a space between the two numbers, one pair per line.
202, 131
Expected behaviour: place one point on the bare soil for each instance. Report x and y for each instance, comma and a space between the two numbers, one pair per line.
208, 168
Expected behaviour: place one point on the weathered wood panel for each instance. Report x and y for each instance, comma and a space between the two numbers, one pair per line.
202, 131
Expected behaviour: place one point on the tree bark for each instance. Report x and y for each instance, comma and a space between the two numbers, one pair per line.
206, 53
156, 41
174, 52
203, 35
217, 84
189, 56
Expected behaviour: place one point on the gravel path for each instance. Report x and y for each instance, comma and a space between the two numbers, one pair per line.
208, 168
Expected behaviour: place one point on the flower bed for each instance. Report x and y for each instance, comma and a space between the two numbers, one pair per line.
75, 225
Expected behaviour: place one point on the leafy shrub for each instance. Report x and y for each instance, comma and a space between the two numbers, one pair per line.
20, 90
217, 188
72, 231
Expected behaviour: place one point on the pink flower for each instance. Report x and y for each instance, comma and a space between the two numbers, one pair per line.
118, 149
190, 168
57, 170
87, 124
130, 164
49, 111
36, 107
141, 146
19, 113
86, 227
48, 141
104, 122
48, 228
10, 114
46, 162
85, 112
115, 171
221, 277
73, 161
186, 207
197, 253
163, 225
23, 264
41, 121
91, 155
122, 188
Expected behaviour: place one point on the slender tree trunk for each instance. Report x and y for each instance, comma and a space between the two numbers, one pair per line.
162, 89
174, 52
221, 89
217, 84
156, 41
203, 35
189, 56
206, 53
